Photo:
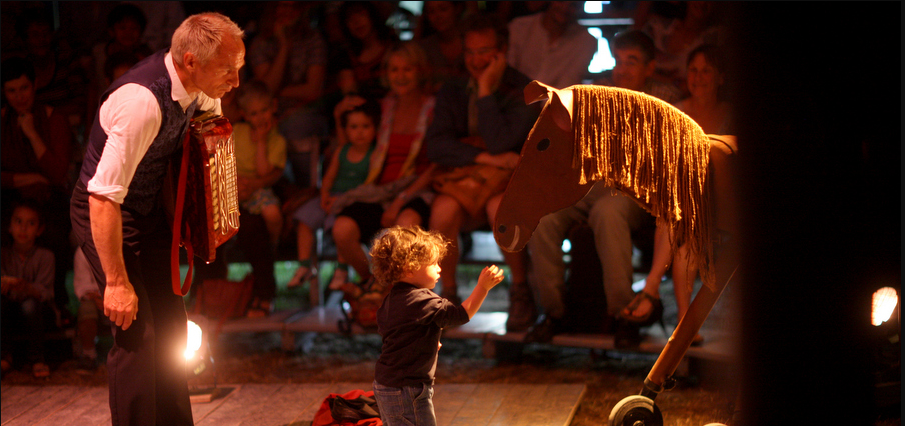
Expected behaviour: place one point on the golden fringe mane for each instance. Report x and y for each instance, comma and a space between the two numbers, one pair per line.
654, 153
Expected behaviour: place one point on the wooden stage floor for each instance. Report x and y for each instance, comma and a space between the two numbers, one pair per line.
489, 327
296, 404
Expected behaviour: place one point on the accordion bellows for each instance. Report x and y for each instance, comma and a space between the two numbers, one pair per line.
211, 215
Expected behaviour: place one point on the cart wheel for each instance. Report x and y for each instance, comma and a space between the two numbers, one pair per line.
636, 410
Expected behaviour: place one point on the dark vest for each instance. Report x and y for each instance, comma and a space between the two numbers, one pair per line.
145, 186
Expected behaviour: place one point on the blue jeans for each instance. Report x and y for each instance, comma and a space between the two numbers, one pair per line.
407, 406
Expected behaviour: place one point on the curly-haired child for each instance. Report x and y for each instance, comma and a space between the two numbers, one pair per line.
411, 318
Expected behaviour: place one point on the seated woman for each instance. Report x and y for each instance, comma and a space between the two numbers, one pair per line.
705, 106
397, 190
369, 41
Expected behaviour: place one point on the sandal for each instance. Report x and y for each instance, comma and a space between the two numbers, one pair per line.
340, 277
302, 275
654, 315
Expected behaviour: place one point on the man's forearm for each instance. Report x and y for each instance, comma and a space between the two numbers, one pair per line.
107, 231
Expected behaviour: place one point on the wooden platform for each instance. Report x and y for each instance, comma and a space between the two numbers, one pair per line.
489, 327
296, 404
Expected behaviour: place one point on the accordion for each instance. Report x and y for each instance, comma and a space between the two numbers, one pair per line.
207, 201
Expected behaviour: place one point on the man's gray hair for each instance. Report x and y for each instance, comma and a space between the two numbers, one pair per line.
201, 35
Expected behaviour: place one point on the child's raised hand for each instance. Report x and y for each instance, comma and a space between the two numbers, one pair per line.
490, 277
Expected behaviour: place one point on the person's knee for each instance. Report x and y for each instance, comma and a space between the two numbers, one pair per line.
409, 217
446, 214
344, 230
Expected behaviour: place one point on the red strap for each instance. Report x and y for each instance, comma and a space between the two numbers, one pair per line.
177, 228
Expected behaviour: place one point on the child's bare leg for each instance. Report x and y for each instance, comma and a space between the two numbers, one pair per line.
661, 260
304, 240
273, 218
346, 235
684, 272
305, 244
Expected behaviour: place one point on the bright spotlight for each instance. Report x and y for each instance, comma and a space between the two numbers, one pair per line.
885, 301
194, 340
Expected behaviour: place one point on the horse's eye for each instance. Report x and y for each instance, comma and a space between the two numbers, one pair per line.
543, 144
502, 229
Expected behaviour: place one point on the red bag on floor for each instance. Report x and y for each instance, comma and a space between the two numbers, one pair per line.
353, 408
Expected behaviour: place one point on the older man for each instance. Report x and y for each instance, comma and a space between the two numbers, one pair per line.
118, 218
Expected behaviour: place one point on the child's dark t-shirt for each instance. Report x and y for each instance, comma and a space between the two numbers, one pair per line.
410, 321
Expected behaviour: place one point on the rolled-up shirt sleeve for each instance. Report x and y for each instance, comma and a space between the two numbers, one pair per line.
131, 118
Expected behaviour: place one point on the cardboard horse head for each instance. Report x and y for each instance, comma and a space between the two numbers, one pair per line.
632, 142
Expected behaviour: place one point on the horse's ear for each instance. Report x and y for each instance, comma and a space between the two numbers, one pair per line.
561, 108
536, 91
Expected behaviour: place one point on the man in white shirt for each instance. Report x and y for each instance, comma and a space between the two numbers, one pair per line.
119, 220
550, 46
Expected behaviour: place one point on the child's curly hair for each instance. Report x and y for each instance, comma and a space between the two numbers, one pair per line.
399, 250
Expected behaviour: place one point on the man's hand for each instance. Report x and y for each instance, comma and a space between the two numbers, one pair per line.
27, 123
121, 304
492, 75
10, 286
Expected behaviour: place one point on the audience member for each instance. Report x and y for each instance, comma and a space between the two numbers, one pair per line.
37, 150
163, 19
369, 39
260, 159
27, 287
635, 66
441, 38
396, 191
481, 119
348, 168
550, 46
676, 34
706, 104
60, 79
260, 155
612, 216
706, 68
291, 58
125, 25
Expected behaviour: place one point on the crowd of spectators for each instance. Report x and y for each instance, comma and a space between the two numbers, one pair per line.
449, 97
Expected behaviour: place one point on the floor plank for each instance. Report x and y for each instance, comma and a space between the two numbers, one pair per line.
90, 407
41, 404
284, 404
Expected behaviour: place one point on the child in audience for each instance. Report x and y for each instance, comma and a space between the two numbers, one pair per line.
27, 286
260, 155
411, 319
348, 169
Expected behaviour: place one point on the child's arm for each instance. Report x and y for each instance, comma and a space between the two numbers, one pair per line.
263, 166
489, 278
329, 178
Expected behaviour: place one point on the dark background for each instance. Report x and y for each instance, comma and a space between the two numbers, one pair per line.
819, 98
